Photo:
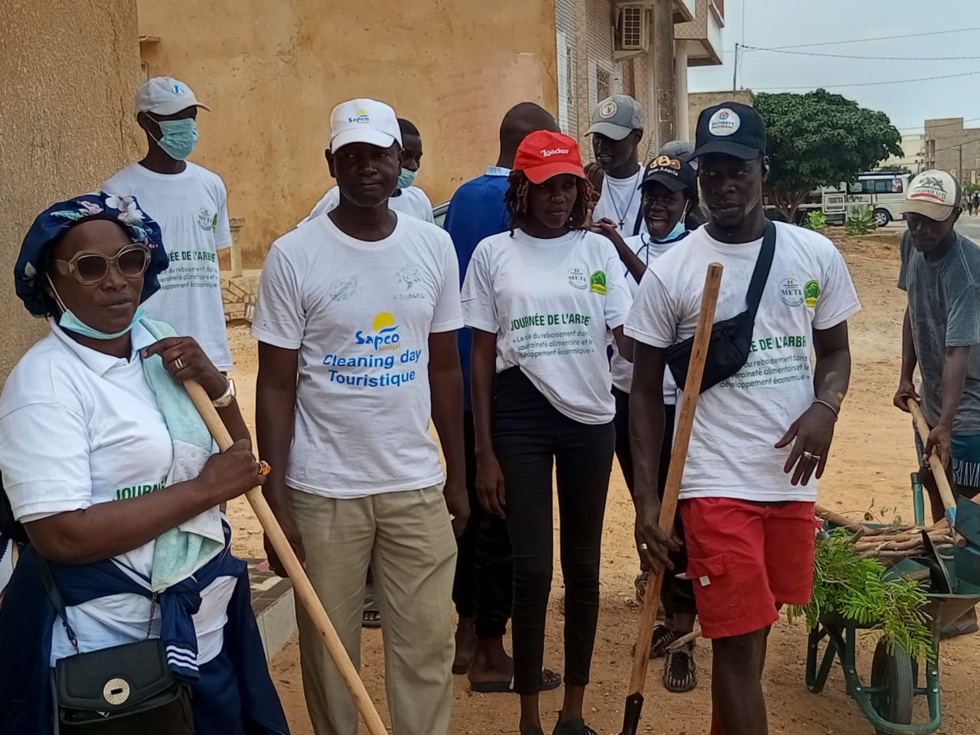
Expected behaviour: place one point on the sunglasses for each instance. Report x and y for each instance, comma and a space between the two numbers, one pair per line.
91, 268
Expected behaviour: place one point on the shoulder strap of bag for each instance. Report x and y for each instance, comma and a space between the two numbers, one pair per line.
639, 221
54, 594
762, 267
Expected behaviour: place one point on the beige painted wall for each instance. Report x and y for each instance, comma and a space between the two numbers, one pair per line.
272, 71
68, 73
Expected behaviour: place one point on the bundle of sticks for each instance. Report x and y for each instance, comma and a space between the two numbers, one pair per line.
889, 543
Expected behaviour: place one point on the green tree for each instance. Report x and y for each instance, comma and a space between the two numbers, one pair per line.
820, 139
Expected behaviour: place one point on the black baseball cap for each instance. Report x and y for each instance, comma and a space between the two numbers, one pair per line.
677, 174
731, 129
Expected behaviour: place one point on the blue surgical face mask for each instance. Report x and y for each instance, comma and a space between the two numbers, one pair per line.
178, 137
679, 229
406, 178
72, 323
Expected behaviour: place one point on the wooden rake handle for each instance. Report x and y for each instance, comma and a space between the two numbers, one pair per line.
297, 574
936, 464
678, 456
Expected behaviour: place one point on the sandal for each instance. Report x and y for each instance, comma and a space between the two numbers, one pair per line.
572, 727
680, 671
370, 613
662, 638
549, 680
640, 586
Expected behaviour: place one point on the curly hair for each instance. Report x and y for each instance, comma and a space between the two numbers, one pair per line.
518, 201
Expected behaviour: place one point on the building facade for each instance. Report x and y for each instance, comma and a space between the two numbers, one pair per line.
67, 79
950, 146
913, 154
273, 75
606, 47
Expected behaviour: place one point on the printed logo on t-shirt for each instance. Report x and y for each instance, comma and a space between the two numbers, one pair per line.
791, 292
812, 293
410, 276
379, 350
134, 491
597, 283
578, 278
207, 219
383, 334
723, 123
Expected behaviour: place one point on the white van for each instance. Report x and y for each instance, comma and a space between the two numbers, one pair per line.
881, 191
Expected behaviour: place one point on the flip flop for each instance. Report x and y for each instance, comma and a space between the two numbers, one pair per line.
370, 613
549, 680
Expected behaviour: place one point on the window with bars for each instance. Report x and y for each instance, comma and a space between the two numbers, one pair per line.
602, 84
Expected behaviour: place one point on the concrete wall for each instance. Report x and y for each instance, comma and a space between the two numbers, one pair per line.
697, 101
942, 141
272, 71
68, 73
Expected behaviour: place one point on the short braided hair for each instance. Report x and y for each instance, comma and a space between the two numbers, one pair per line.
518, 201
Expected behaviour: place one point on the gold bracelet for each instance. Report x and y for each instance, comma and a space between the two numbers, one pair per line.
833, 410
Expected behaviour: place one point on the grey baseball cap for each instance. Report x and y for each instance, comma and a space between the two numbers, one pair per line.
616, 117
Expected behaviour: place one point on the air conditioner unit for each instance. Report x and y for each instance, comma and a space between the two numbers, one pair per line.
632, 30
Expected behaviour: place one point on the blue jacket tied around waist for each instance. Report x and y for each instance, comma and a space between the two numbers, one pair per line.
27, 617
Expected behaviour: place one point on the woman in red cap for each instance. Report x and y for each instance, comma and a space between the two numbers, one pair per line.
542, 301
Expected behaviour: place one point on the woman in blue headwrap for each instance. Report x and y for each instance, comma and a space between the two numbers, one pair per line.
112, 473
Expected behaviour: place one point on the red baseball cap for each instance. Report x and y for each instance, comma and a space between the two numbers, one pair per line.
544, 154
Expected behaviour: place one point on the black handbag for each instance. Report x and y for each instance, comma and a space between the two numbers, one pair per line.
731, 339
121, 690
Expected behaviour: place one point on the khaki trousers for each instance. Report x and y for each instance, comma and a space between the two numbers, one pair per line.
407, 539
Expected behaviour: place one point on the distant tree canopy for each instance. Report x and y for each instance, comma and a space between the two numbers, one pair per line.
820, 139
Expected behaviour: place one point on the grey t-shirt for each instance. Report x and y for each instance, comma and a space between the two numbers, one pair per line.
944, 309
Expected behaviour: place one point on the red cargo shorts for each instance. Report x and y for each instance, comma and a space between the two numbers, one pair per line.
745, 558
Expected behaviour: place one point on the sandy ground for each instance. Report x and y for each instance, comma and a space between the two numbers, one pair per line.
869, 469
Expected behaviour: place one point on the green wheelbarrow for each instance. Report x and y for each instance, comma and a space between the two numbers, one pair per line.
887, 700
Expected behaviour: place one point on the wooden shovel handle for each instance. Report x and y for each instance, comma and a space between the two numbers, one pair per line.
297, 574
678, 456
936, 464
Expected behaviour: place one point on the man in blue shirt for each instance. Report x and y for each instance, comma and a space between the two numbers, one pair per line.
484, 573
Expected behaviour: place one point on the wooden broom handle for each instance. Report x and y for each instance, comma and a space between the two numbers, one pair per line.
678, 456
297, 574
935, 463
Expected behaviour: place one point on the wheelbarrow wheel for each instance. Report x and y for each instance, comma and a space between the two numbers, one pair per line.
893, 674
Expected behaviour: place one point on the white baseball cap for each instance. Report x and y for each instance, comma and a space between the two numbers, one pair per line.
363, 121
933, 194
166, 96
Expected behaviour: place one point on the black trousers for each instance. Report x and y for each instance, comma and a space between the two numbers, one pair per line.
530, 438
677, 595
483, 586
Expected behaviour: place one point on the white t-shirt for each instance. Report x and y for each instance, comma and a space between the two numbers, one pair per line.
192, 210
552, 304
646, 250
739, 420
411, 201
620, 202
78, 428
360, 313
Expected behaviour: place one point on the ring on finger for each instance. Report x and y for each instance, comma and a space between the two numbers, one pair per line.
808, 456
644, 547
179, 364
264, 468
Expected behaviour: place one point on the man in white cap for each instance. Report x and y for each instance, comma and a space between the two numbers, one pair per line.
356, 320
191, 205
941, 334
617, 128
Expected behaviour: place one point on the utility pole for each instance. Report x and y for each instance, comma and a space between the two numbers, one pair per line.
735, 73
663, 70
959, 171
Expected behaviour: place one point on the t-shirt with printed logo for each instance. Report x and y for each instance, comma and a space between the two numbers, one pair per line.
360, 314
80, 428
552, 304
738, 421
192, 210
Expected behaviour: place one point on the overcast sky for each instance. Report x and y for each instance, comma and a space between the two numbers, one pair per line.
793, 23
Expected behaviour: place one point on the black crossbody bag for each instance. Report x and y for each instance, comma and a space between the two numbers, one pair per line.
731, 339
121, 690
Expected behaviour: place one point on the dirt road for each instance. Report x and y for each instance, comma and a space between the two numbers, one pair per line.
869, 469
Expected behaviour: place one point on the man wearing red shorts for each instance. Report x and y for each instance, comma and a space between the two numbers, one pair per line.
761, 437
